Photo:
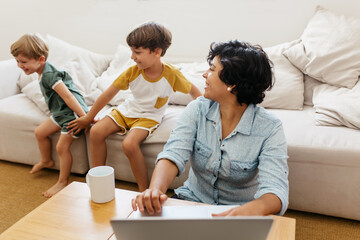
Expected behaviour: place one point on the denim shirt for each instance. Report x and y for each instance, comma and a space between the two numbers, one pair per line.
249, 162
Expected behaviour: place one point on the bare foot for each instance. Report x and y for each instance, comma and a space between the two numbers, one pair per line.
54, 189
40, 165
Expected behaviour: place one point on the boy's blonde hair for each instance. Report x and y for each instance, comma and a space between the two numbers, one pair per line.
150, 35
31, 45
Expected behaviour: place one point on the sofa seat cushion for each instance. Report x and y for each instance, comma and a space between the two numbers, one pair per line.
19, 118
302, 133
323, 160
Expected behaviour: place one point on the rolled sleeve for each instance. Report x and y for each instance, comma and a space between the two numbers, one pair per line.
273, 168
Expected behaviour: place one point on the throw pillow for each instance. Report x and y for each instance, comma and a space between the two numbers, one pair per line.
288, 89
329, 49
337, 106
61, 52
9, 76
193, 72
33, 92
118, 64
26, 79
83, 79
309, 85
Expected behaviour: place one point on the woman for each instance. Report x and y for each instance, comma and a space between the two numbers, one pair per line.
238, 150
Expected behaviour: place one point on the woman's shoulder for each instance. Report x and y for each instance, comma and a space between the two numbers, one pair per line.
200, 105
201, 102
265, 115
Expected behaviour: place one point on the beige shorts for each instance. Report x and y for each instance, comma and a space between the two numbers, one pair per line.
126, 123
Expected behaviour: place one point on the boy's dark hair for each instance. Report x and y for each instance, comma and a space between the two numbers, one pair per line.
31, 45
246, 67
150, 35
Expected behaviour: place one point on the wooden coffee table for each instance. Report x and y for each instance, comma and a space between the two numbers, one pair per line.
70, 214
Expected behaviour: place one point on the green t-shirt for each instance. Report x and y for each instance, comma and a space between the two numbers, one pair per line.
57, 106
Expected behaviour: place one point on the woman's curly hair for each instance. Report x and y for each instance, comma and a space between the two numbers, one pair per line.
246, 67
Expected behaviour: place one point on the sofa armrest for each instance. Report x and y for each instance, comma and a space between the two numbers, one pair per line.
9, 74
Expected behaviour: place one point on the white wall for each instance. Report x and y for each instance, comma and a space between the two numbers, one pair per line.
99, 25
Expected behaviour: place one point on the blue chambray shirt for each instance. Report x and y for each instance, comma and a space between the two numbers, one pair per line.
249, 162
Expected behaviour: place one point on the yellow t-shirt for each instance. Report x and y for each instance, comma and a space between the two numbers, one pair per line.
150, 97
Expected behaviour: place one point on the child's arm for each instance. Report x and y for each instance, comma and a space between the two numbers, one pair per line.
194, 92
84, 122
69, 99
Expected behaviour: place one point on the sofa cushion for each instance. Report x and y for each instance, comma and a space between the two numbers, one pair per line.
324, 165
302, 133
287, 92
337, 106
193, 72
83, 79
118, 64
328, 49
33, 92
288, 89
61, 52
9, 74
309, 85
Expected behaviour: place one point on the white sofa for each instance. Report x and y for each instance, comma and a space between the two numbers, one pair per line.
319, 117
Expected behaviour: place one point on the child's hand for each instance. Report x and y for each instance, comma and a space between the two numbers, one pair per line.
79, 124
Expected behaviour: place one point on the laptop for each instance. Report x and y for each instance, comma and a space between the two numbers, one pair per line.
191, 222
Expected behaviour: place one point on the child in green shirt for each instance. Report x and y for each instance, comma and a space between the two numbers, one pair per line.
64, 101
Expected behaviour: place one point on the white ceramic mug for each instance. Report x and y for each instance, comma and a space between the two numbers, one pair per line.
101, 182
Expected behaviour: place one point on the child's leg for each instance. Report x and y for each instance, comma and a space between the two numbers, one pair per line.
131, 148
63, 149
98, 134
42, 134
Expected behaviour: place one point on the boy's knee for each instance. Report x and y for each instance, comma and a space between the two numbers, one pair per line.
128, 146
96, 133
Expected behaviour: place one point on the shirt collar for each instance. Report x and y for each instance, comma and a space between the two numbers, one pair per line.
213, 113
246, 122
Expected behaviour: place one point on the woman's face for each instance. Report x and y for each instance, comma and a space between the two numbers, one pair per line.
215, 89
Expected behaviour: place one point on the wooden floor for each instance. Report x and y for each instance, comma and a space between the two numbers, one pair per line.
21, 193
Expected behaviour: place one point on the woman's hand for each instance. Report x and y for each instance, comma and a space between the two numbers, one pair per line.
266, 204
238, 211
149, 200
